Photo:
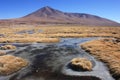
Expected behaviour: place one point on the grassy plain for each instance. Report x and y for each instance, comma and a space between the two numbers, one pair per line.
28, 34
106, 50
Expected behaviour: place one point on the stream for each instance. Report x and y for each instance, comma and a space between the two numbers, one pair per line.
49, 61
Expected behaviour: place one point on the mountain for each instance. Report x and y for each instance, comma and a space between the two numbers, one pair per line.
48, 15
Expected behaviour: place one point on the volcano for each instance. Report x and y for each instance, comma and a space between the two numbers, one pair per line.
48, 15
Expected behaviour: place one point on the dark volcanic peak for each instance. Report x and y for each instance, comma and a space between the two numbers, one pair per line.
44, 12
47, 9
52, 16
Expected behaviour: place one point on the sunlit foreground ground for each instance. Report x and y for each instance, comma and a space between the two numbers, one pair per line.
52, 34
107, 50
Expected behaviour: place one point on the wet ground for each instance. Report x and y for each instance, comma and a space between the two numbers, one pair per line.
51, 62
28, 31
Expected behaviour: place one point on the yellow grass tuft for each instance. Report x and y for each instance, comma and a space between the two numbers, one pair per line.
10, 64
7, 47
107, 50
53, 33
28, 40
81, 63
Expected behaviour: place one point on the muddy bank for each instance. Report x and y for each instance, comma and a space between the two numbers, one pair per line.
51, 62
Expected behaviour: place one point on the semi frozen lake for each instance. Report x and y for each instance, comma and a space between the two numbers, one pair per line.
49, 61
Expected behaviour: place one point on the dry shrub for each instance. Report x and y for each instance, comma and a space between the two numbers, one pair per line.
108, 51
49, 34
29, 40
48, 40
10, 64
8, 47
81, 64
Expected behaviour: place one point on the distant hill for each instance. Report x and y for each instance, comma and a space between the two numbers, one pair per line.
48, 15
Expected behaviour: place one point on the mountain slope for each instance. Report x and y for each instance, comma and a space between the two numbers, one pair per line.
49, 15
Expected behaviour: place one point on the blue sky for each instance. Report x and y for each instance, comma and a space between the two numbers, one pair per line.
105, 8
